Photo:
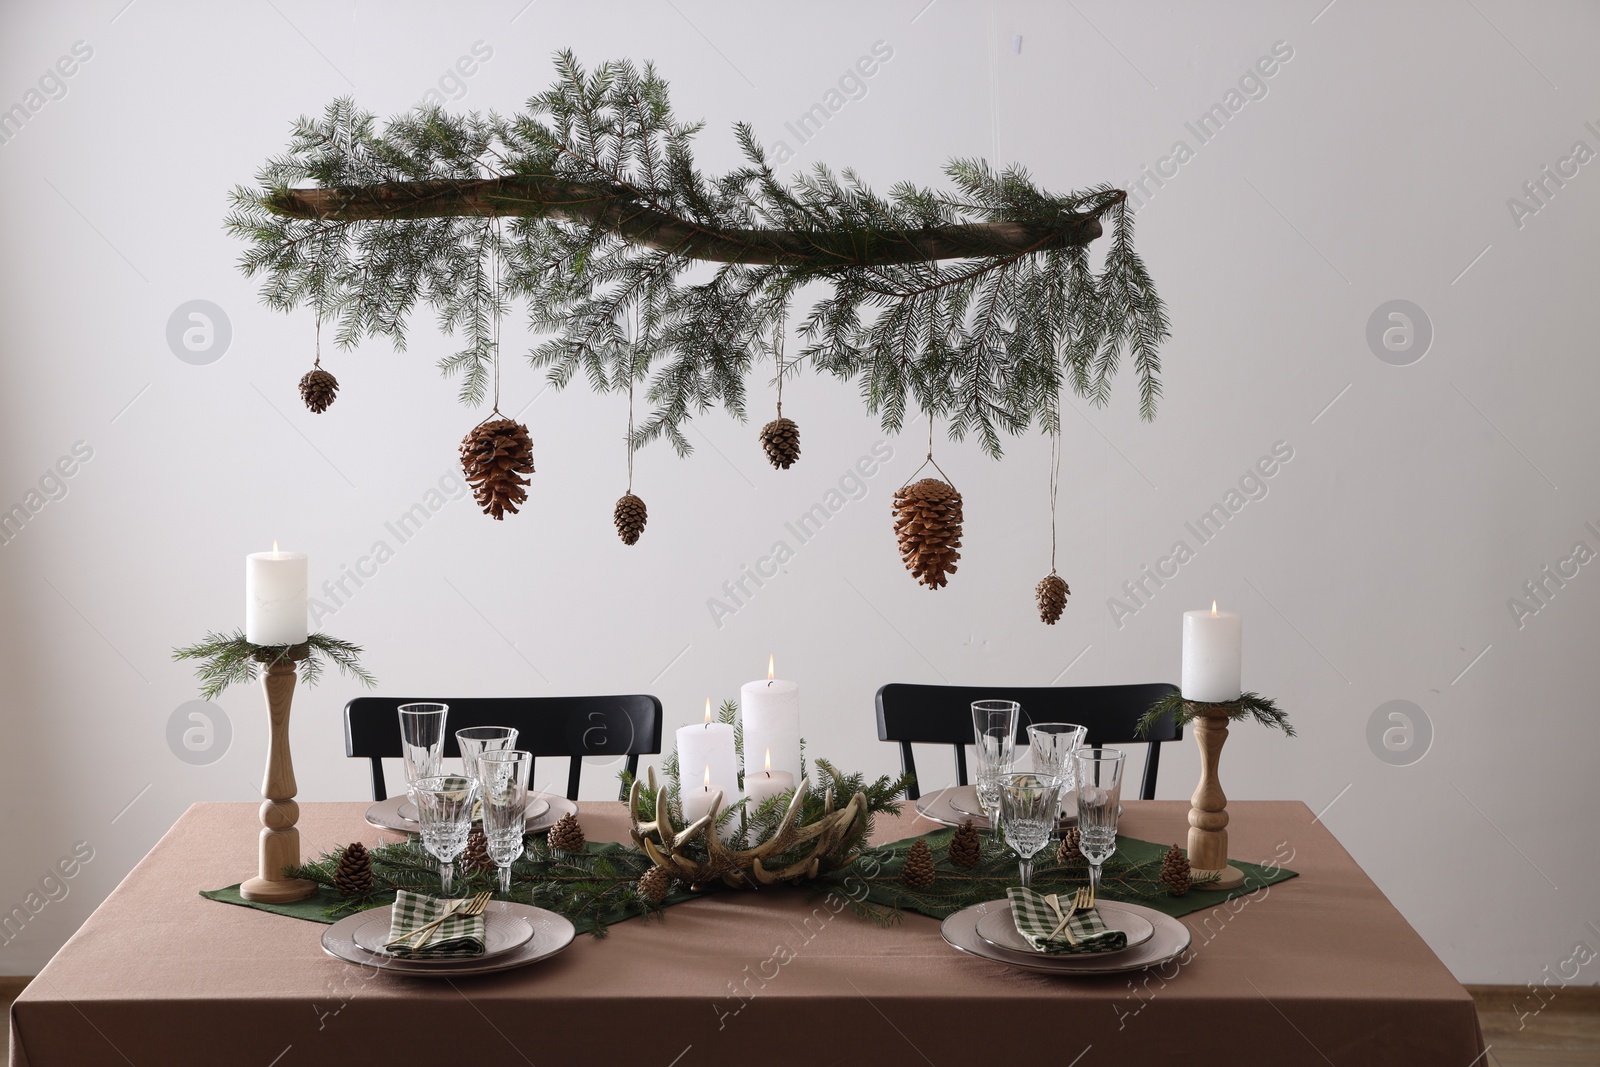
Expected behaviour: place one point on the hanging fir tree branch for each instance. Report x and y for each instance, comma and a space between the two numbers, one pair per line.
975, 304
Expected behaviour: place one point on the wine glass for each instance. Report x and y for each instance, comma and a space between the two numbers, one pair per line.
444, 807
1028, 805
994, 739
422, 739
474, 741
1052, 745
1099, 773
503, 778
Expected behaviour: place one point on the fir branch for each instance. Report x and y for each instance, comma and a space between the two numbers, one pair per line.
228, 659
1262, 709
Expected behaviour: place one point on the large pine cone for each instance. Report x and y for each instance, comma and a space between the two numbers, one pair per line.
567, 835
1052, 593
1175, 872
630, 518
1067, 853
781, 439
927, 521
655, 884
494, 457
476, 857
918, 872
318, 389
966, 848
353, 876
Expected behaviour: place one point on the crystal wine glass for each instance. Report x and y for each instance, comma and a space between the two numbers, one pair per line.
474, 741
1051, 745
444, 807
994, 739
503, 779
1099, 773
1028, 806
422, 739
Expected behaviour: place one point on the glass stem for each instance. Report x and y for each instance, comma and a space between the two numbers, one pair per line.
1025, 871
447, 871
505, 881
1094, 881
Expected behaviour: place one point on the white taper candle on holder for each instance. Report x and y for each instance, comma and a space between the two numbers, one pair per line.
770, 711
275, 597
1211, 655
708, 746
760, 786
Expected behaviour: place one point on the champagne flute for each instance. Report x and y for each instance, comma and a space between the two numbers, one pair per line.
1029, 803
994, 740
444, 806
503, 777
1052, 745
1099, 772
474, 741
422, 739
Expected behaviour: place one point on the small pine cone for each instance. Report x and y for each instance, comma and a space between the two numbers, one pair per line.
495, 456
318, 389
918, 873
567, 835
1052, 593
630, 517
655, 884
781, 439
927, 522
1067, 853
1175, 872
966, 847
353, 876
476, 857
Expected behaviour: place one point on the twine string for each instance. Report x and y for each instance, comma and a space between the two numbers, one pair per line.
1055, 483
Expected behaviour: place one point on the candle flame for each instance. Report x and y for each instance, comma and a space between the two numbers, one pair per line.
1213, 607
708, 778
708, 716
274, 546
769, 763
770, 674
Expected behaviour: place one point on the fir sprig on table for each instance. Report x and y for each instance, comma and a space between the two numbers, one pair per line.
228, 659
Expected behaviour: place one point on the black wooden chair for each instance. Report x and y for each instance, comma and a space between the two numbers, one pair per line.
942, 715
546, 726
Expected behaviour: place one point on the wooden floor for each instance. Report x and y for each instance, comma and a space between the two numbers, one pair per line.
1565, 1031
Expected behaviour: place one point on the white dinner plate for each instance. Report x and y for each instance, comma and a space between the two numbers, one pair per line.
551, 934
998, 927
1170, 940
544, 811
503, 931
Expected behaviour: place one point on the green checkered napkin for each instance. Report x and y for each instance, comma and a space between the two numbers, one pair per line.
1035, 919
458, 937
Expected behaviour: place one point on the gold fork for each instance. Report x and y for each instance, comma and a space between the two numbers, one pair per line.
468, 907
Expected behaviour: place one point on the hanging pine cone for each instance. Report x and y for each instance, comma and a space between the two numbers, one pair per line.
1175, 872
630, 517
476, 857
927, 521
918, 873
1052, 593
318, 389
655, 884
1067, 853
567, 835
781, 439
353, 876
494, 457
966, 848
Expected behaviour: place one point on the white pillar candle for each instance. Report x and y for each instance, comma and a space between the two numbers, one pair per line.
697, 799
275, 597
1211, 655
762, 785
770, 711
707, 746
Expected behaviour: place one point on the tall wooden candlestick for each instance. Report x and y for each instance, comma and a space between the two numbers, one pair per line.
280, 841
1208, 811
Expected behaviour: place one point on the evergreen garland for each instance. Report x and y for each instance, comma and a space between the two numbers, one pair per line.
975, 305
228, 659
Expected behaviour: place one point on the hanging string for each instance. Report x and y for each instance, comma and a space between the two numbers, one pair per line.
633, 340
777, 353
318, 364
494, 265
1055, 482
929, 458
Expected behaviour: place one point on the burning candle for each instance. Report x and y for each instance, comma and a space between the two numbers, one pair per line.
761, 786
275, 597
709, 745
770, 711
1211, 655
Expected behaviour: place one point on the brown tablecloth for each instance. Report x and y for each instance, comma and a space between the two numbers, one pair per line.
1321, 970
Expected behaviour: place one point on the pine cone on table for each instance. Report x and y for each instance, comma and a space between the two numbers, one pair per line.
1067, 853
781, 439
966, 847
1051, 593
629, 516
476, 857
655, 884
919, 870
318, 389
567, 835
927, 522
1175, 872
353, 876
494, 458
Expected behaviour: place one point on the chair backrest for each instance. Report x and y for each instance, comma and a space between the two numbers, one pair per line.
942, 714
546, 726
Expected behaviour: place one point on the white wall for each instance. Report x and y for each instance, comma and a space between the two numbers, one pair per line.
1377, 167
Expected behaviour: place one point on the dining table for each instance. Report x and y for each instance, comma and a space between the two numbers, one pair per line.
1319, 969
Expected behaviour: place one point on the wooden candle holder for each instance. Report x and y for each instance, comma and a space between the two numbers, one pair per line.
280, 841
1208, 811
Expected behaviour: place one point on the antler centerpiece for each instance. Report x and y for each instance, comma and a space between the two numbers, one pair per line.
791, 853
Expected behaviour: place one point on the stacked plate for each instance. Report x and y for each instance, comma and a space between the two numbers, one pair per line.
400, 814
957, 804
515, 935
987, 930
